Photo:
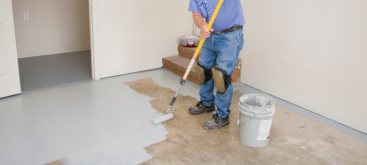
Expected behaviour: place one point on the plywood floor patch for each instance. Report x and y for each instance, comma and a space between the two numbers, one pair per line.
295, 139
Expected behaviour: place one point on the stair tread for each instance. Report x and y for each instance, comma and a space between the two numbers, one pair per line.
192, 48
180, 61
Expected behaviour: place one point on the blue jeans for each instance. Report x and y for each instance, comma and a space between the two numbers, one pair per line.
220, 50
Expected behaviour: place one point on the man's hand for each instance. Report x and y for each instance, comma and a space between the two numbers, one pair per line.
200, 22
205, 32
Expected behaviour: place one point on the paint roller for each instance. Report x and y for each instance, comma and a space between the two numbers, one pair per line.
170, 112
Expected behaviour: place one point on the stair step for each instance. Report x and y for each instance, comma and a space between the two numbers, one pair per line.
178, 65
187, 52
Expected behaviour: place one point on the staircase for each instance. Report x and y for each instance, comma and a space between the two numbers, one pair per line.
179, 63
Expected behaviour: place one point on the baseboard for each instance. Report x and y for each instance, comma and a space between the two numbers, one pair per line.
52, 51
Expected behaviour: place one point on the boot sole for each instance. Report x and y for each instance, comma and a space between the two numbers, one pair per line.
215, 128
201, 112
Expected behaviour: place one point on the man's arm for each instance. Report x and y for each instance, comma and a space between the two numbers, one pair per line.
200, 22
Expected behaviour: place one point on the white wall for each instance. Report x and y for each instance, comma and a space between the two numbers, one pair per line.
55, 26
312, 53
133, 35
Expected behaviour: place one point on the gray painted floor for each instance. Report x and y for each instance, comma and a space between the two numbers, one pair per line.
94, 122
52, 70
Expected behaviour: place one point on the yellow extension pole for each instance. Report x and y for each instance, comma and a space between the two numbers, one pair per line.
202, 40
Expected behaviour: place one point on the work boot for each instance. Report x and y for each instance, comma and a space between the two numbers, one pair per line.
201, 108
216, 122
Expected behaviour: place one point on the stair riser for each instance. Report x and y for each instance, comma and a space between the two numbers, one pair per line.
177, 69
187, 52
189, 56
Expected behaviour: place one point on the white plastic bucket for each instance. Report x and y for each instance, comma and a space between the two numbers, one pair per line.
256, 116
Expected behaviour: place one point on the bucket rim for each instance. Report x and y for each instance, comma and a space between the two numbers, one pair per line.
257, 94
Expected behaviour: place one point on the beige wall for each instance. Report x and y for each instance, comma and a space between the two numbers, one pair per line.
311, 53
133, 35
55, 26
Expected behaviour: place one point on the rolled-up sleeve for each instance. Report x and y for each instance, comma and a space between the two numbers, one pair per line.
193, 6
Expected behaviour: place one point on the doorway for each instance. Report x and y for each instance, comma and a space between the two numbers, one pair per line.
53, 42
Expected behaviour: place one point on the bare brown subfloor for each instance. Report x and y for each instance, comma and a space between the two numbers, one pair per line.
57, 162
295, 139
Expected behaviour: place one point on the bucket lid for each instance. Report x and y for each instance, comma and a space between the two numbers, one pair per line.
257, 103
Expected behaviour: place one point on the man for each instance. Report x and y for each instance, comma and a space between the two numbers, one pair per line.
221, 49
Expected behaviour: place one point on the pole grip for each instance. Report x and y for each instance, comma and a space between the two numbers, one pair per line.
172, 101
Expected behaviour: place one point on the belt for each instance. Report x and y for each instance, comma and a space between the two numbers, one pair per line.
233, 28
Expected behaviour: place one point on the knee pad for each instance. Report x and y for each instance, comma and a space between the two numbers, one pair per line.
222, 80
204, 75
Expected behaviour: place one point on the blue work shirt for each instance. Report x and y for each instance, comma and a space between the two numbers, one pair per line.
230, 14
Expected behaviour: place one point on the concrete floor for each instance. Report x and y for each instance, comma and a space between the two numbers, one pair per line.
48, 71
82, 121
78, 120
294, 139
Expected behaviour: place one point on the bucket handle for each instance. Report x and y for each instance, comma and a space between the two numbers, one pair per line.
255, 114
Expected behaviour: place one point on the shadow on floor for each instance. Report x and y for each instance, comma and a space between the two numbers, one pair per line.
52, 70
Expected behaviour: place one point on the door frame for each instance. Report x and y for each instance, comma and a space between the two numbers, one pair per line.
94, 38
10, 79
